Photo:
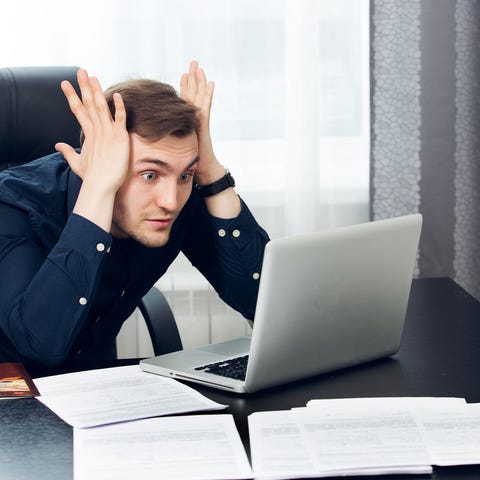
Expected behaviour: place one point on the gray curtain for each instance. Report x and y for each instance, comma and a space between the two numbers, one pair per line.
425, 106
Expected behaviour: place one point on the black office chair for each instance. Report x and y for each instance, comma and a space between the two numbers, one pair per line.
34, 115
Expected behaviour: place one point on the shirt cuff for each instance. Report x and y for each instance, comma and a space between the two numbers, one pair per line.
240, 228
86, 237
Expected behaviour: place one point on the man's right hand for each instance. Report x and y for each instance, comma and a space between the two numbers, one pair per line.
103, 161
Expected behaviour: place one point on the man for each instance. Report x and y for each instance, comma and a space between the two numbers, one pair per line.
85, 234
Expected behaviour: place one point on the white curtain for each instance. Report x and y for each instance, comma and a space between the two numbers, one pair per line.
291, 109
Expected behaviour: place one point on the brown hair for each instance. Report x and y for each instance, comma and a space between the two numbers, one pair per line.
154, 109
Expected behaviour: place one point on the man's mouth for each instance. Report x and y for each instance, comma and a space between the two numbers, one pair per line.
160, 222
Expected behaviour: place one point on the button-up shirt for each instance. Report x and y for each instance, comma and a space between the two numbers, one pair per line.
68, 285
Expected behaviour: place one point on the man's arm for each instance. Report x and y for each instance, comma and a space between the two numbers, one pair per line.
106, 138
195, 89
48, 299
226, 242
229, 253
47, 291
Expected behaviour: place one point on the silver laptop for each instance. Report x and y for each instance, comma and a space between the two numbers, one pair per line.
326, 301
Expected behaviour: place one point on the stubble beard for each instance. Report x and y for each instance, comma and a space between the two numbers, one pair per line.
152, 239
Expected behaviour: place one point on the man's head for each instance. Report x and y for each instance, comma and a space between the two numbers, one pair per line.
163, 130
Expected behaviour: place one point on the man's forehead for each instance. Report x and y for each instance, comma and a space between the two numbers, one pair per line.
168, 152
167, 165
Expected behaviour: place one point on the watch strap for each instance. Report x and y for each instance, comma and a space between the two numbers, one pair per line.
220, 185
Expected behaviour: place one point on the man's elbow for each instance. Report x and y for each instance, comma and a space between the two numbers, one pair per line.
44, 354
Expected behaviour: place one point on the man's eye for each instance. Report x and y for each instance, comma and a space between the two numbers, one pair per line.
149, 176
185, 177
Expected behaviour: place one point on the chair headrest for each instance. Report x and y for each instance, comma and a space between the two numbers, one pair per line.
34, 113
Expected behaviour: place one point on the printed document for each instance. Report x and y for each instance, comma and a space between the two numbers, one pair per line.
358, 436
452, 435
110, 395
186, 447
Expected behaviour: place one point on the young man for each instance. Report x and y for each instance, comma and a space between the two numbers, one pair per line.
85, 234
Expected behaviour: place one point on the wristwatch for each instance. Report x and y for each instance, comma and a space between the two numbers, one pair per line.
225, 182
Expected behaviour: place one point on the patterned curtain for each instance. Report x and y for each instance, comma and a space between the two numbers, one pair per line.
425, 106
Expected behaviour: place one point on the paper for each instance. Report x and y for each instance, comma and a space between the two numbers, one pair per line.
354, 436
110, 395
278, 449
187, 447
344, 436
411, 402
365, 436
452, 435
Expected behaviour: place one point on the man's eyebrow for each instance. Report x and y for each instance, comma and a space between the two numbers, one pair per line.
167, 166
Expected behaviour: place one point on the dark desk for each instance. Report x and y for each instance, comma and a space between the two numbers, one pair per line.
440, 356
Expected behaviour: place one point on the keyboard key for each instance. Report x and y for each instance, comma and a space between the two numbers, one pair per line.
233, 368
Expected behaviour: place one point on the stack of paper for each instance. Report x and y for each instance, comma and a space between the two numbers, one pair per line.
124, 443
365, 436
358, 436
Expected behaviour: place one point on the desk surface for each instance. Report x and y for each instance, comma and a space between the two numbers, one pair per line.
439, 356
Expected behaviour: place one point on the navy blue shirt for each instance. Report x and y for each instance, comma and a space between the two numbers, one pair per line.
68, 286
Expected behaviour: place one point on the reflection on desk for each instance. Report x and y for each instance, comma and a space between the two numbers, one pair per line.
439, 356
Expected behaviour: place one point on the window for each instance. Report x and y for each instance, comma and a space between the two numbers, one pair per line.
290, 117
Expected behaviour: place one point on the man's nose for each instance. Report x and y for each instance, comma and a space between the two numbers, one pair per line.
166, 195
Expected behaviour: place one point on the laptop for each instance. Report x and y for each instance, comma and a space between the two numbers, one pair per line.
327, 300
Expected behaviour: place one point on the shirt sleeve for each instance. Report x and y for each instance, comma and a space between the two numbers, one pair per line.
47, 297
229, 253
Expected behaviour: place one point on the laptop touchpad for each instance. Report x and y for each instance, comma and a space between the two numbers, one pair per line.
231, 347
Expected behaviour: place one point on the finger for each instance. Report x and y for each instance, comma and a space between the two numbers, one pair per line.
209, 93
120, 112
87, 93
201, 81
101, 105
67, 151
76, 105
184, 86
192, 79
192, 68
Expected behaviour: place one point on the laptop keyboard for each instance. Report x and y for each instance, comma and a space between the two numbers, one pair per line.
233, 368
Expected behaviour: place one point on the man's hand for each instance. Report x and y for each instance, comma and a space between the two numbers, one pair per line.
105, 151
195, 89
103, 161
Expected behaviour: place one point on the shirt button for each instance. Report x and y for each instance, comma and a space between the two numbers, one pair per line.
236, 233
222, 232
256, 276
82, 301
123, 293
100, 247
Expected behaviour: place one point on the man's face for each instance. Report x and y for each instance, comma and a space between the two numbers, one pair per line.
158, 184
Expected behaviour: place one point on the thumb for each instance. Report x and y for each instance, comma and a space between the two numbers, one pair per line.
70, 155
67, 151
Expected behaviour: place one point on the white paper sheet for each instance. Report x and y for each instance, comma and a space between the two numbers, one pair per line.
452, 435
363, 434
278, 449
187, 447
110, 395
411, 402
